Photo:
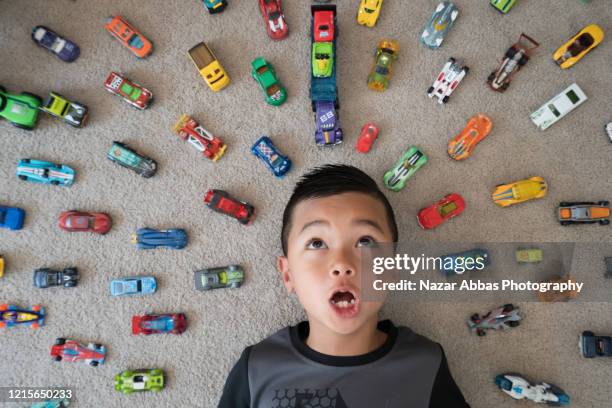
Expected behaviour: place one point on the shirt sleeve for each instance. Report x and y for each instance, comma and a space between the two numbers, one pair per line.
236, 392
445, 392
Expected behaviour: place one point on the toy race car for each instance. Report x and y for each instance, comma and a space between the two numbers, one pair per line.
69, 350
220, 201
477, 259
515, 58
154, 324
201, 139
139, 380
478, 127
129, 36
264, 149
134, 94
148, 238
519, 191
11, 315
584, 213
231, 276
322, 59
528, 255
519, 388
263, 72
77, 221
39, 171
73, 113
503, 6
369, 133
324, 28
209, 67
215, 6
380, 74
558, 107
439, 24
21, 110
445, 209
135, 285
595, 346
274, 19
578, 46
125, 156
328, 131
396, 178
451, 75
45, 277
368, 12
497, 319
558, 296
65, 49
11, 217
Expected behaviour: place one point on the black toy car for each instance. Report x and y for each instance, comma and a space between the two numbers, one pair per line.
594, 346
45, 277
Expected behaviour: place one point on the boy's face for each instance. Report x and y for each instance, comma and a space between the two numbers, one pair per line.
323, 262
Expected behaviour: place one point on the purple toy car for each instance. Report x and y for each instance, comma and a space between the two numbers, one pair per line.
65, 49
328, 128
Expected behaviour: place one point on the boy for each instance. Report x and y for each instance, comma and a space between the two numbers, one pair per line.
342, 357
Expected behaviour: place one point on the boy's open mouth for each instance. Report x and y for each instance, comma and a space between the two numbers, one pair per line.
344, 302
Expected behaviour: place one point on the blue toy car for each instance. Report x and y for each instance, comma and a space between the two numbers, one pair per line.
11, 315
11, 217
328, 131
439, 24
458, 263
147, 238
137, 285
269, 154
215, 6
44, 172
65, 49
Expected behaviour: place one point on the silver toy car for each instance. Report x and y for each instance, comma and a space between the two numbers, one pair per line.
230, 276
498, 319
451, 75
439, 24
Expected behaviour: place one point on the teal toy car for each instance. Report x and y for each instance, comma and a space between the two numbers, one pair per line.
503, 6
44, 172
396, 178
263, 72
20, 109
123, 155
322, 59
130, 381
230, 276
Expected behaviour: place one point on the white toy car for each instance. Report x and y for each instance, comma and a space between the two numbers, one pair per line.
558, 107
609, 130
444, 85
519, 388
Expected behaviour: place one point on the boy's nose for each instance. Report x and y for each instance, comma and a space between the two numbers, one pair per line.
343, 265
341, 270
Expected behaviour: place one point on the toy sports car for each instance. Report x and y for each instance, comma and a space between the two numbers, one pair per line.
271, 156
503, 6
44, 172
231, 276
595, 346
134, 94
220, 201
21, 110
515, 58
209, 67
497, 319
202, 140
69, 350
125, 156
396, 178
528, 255
519, 388
322, 59
45, 277
75, 221
445, 209
380, 74
578, 46
478, 127
73, 113
11, 315
328, 131
478, 259
147, 238
11, 217
263, 72
65, 49
451, 75
324, 29
584, 213
519, 191
139, 380
369, 133
274, 19
154, 324
439, 24
557, 295
215, 6
127, 35
368, 12
136, 285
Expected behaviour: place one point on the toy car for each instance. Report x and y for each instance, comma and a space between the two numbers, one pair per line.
328, 131
479, 259
45, 277
609, 130
231, 276
595, 346
478, 127
125, 156
445, 209
215, 6
519, 388
559, 106
497, 319
558, 296
129, 36
11, 217
44, 172
584, 213
503, 6
21, 110
578, 46
322, 59
369, 133
147, 238
73, 113
220, 201
368, 12
528, 255
439, 24
154, 324
189, 130
324, 28
396, 178
75, 221
380, 74
264, 149
136, 285
515, 58
11, 315
274, 19
139, 380
209, 67
451, 75
65, 49
519, 191
69, 350
134, 94
1, 266
64, 403
263, 73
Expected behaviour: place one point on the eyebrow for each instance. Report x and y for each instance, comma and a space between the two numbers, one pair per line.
313, 223
370, 223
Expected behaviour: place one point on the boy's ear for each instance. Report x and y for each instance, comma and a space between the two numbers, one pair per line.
282, 264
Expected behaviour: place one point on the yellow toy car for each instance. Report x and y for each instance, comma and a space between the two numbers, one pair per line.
578, 46
519, 191
368, 12
209, 67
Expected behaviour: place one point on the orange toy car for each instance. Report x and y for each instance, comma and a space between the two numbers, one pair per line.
478, 127
555, 295
131, 38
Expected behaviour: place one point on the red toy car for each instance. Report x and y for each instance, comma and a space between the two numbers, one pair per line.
324, 26
220, 201
447, 208
165, 323
131, 92
74, 221
369, 133
274, 18
190, 131
70, 350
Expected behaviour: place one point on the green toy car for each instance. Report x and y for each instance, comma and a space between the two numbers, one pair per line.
123, 155
263, 72
230, 276
396, 178
503, 6
130, 381
20, 109
322, 59
73, 113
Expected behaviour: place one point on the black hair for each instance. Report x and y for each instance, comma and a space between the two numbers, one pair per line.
329, 180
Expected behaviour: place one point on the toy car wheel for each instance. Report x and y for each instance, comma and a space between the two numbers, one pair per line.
588, 333
33, 96
235, 285
445, 99
430, 90
604, 203
513, 323
511, 53
452, 60
523, 60
604, 222
466, 70
26, 160
480, 333
2, 89
505, 86
24, 127
475, 318
60, 341
93, 363
57, 358
564, 204
565, 223
508, 308
491, 77
98, 346
22, 177
55, 182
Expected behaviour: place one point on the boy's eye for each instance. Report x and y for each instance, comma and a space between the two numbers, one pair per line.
316, 244
366, 242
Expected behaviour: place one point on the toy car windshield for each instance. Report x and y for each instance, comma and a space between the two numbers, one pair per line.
136, 42
201, 55
447, 209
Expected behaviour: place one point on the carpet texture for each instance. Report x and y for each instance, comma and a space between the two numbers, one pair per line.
573, 156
